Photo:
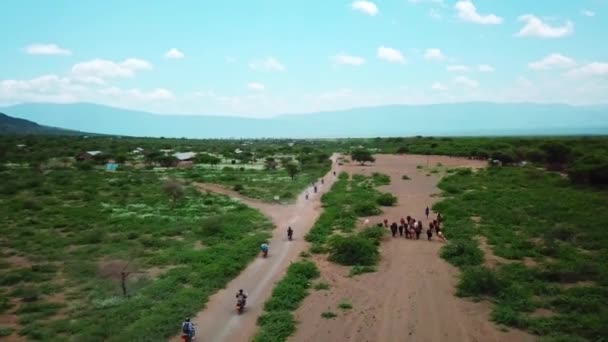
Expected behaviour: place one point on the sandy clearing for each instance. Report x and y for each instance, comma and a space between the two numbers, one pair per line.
411, 297
218, 321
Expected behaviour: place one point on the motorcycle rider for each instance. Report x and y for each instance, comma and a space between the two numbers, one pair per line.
188, 330
241, 297
264, 248
289, 232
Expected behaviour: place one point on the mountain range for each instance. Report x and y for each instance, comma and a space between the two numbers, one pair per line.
11, 125
459, 119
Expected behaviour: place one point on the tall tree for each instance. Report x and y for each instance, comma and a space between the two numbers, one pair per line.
362, 156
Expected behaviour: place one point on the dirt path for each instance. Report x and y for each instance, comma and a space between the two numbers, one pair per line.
219, 321
411, 297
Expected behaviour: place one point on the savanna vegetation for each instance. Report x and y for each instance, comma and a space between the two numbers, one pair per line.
84, 247
550, 239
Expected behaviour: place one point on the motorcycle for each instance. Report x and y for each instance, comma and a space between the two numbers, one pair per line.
240, 306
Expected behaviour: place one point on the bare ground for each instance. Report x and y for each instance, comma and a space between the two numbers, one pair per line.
411, 297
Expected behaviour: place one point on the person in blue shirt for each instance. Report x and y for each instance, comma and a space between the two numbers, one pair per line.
264, 248
188, 330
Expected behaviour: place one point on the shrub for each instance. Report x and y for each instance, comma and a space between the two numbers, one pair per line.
386, 199
374, 233
380, 179
462, 253
355, 250
6, 331
478, 281
328, 315
174, 189
85, 166
321, 286
345, 305
405, 177
358, 269
238, 187
366, 208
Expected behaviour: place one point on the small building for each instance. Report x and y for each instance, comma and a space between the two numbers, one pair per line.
138, 150
185, 160
87, 155
238, 151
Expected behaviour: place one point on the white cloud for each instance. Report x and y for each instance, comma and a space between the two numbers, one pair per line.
587, 13
485, 68
348, 59
594, 69
267, 64
174, 54
465, 81
99, 69
256, 86
390, 55
457, 68
468, 12
47, 49
536, 28
553, 61
438, 86
434, 55
367, 7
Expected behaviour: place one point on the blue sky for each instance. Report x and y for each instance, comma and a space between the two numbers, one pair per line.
260, 58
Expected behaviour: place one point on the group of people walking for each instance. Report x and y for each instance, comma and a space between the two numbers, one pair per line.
412, 228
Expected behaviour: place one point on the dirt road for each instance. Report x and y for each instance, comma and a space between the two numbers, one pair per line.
411, 297
219, 321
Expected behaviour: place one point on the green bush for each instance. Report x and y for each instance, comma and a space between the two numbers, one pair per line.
345, 305
373, 233
354, 250
358, 269
328, 315
477, 281
238, 187
462, 253
386, 200
321, 286
277, 323
366, 208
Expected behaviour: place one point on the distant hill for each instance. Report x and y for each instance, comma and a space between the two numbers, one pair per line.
11, 125
471, 119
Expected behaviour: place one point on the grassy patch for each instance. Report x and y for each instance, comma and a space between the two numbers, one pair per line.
260, 184
359, 269
345, 305
277, 322
328, 315
386, 200
6, 331
321, 286
526, 214
380, 179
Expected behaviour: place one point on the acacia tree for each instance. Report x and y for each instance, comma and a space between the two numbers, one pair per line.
206, 158
174, 189
270, 163
292, 169
362, 156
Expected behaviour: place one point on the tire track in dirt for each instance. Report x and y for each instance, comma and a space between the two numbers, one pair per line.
411, 297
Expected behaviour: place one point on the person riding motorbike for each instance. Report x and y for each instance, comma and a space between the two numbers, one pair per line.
289, 233
188, 330
264, 248
241, 298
